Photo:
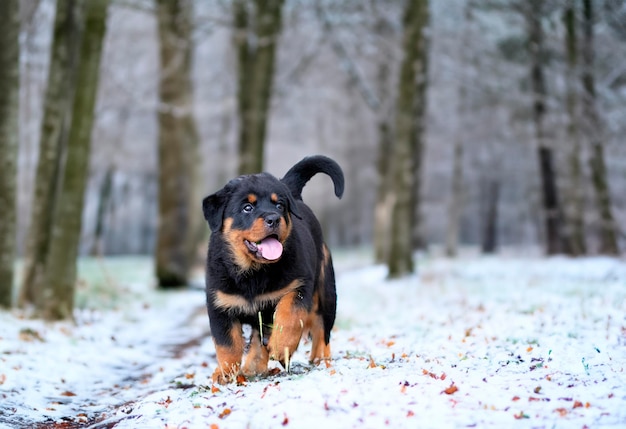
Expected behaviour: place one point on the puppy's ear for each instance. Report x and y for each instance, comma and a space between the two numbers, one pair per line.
213, 209
292, 205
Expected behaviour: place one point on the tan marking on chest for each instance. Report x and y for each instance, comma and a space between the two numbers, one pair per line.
239, 304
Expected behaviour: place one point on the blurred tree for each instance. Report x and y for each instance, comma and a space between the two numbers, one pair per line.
55, 299
9, 108
594, 134
258, 25
52, 144
574, 201
104, 200
408, 139
382, 210
178, 145
552, 213
491, 191
455, 205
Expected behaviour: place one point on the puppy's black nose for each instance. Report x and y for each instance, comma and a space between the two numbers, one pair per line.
272, 220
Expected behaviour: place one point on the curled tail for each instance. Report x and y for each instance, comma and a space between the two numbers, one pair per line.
301, 173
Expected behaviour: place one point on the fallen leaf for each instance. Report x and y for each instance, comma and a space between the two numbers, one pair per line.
562, 411
372, 363
68, 393
450, 390
29, 335
577, 404
225, 413
410, 413
521, 415
3, 378
285, 421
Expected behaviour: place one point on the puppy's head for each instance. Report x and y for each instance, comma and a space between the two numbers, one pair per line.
253, 213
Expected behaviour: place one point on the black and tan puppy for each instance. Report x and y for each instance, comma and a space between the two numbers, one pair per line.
268, 267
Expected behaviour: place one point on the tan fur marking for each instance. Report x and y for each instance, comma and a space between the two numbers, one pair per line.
235, 239
252, 198
256, 361
227, 301
319, 349
325, 262
274, 198
289, 324
229, 358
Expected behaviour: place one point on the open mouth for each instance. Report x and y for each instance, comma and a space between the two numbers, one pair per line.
269, 248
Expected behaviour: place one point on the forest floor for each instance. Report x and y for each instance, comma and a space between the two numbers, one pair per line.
501, 341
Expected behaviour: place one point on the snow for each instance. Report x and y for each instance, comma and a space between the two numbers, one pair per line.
473, 342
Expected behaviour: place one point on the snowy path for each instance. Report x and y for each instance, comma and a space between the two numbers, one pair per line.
478, 342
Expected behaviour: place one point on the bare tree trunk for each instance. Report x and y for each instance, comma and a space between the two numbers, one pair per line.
574, 202
490, 225
608, 228
56, 297
455, 207
258, 24
408, 139
552, 212
178, 143
104, 198
382, 209
9, 108
421, 78
55, 123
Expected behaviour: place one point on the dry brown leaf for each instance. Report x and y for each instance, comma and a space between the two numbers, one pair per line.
450, 390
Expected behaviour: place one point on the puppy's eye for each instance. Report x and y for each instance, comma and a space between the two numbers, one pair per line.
280, 206
248, 208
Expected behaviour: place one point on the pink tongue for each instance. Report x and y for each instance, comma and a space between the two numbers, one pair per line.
270, 248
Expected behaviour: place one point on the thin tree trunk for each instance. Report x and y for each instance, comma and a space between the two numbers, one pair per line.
490, 231
574, 203
56, 120
455, 207
551, 208
608, 228
407, 145
382, 209
9, 108
258, 25
57, 293
178, 142
421, 78
104, 198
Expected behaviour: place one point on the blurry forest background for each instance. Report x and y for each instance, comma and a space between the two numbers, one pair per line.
521, 142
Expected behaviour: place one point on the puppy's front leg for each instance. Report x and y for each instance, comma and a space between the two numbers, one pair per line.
289, 320
228, 339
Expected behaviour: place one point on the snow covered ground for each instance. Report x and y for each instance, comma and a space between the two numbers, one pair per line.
473, 342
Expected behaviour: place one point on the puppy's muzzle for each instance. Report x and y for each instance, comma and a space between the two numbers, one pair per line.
272, 221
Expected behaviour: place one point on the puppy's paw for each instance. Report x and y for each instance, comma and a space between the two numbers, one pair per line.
225, 376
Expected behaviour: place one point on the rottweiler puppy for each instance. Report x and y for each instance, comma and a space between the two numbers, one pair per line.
268, 267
